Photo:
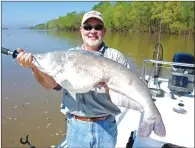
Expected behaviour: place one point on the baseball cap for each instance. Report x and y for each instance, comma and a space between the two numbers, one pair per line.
92, 14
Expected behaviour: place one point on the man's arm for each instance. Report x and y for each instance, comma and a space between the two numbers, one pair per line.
45, 80
122, 60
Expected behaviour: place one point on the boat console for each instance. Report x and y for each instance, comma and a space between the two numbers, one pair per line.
182, 78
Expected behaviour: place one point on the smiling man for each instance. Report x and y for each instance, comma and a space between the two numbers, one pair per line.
92, 30
90, 116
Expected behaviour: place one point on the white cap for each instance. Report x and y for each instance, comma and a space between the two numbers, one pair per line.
92, 14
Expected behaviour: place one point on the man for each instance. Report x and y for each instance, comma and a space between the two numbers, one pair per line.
90, 116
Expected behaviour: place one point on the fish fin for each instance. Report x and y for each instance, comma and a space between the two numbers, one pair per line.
134, 106
151, 124
123, 101
145, 129
159, 129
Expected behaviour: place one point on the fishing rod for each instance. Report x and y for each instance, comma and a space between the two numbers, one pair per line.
9, 52
14, 53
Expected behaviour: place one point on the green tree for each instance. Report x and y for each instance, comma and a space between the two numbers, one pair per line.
174, 17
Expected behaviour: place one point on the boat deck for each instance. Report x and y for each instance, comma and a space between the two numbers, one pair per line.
179, 126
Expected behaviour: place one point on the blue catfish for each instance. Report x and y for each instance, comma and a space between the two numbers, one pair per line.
80, 71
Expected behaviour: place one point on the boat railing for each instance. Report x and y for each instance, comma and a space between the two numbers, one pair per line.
157, 63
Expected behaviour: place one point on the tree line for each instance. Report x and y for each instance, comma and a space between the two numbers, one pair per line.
174, 17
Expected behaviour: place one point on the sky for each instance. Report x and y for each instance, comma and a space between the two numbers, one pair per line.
24, 14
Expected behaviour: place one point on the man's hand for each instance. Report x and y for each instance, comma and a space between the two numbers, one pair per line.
103, 84
24, 59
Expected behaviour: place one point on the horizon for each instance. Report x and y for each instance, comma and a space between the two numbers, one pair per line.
23, 14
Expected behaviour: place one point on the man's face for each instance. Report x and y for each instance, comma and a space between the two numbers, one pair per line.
93, 37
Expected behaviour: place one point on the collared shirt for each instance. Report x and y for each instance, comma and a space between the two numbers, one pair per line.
95, 103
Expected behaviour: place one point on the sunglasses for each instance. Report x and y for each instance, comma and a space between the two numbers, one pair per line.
89, 27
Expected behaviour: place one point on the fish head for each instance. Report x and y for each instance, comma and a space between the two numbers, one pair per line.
48, 62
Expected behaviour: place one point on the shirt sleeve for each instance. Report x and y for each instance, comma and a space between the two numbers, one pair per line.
122, 60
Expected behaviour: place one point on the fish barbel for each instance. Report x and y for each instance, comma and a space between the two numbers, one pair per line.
80, 71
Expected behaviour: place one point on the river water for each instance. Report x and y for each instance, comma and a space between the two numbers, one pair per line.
30, 109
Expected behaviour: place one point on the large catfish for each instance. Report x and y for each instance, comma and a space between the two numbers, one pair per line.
80, 71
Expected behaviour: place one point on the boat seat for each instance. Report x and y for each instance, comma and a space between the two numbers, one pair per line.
182, 78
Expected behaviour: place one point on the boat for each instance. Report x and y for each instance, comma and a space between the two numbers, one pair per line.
173, 95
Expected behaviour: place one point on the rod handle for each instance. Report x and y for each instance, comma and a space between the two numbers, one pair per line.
9, 52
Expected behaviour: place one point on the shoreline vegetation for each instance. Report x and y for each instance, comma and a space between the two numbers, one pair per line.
167, 17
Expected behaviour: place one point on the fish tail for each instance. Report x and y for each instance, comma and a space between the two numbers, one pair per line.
159, 129
147, 127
